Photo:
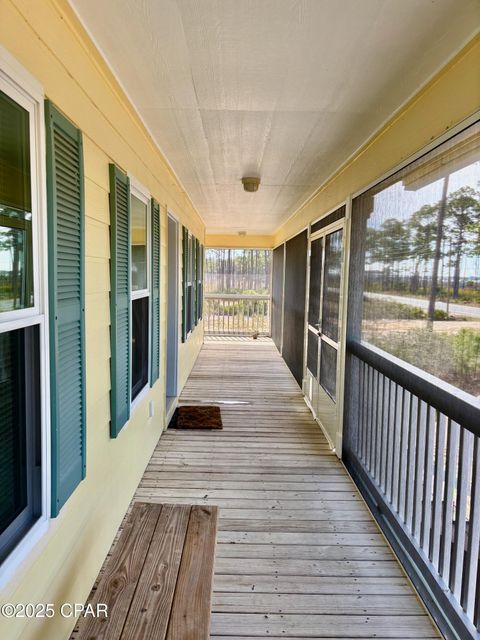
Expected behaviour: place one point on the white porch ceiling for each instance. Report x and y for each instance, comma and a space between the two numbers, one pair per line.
282, 89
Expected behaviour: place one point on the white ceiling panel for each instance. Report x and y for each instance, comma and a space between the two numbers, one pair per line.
282, 89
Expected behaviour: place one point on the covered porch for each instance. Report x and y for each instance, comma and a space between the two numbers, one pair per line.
298, 553
273, 208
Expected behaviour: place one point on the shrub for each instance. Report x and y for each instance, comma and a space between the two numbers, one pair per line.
466, 346
440, 314
375, 309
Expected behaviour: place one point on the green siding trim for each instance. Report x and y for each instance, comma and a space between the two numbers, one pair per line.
184, 281
120, 312
155, 295
66, 280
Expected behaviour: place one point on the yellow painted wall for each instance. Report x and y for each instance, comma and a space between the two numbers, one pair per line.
46, 38
239, 242
450, 97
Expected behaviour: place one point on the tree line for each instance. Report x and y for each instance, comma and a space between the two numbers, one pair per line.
238, 270
415, 253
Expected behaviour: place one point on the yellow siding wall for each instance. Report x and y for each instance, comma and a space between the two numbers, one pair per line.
239, 242
451, 96
47, 40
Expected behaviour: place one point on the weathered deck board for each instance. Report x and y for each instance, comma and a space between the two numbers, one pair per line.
157, 578
189, 619
149, 612
298, 554
122, 571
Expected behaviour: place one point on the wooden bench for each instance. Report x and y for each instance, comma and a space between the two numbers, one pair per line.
157, 583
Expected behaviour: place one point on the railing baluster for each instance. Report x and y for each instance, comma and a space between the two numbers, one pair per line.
390, 440
430, 440
361, 369
412, 446
397, 416
422, 416
365, 409
378, 424
472, 574
438, 488
463, 494
371, 420
405, 425
451, 478
385, 434
373, 436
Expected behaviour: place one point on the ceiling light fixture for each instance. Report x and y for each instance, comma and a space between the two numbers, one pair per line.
251, 184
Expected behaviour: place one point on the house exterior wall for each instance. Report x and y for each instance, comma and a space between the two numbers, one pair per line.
48, 41
239, 242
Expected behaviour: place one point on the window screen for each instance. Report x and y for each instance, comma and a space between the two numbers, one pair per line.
331, 285
416, 257
328, 369
315, 282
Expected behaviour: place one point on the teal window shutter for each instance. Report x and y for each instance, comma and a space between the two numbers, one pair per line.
200, 280
195, 280
66, 260
190, 300
155, 295
184, 282
120, 320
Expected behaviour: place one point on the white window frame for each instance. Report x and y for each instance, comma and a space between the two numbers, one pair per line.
18, 84
138, 191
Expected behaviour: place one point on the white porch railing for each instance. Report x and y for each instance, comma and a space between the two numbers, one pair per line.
236, 314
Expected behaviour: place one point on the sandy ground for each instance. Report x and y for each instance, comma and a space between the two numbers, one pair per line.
443, 326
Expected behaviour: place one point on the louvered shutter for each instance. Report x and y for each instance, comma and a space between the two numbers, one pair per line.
199, 281
66, 304
194, 282
155, 296
120, 321
189, 283
184, 282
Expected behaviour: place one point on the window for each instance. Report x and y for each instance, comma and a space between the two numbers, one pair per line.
140, 287
139, 345
139, 244
16, 267
416, 240
22, 451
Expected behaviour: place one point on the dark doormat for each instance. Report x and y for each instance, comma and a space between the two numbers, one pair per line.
193, 417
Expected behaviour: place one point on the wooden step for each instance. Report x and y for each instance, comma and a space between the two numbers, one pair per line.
157, 582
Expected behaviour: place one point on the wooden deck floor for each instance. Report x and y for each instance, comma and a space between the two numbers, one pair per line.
298, 554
